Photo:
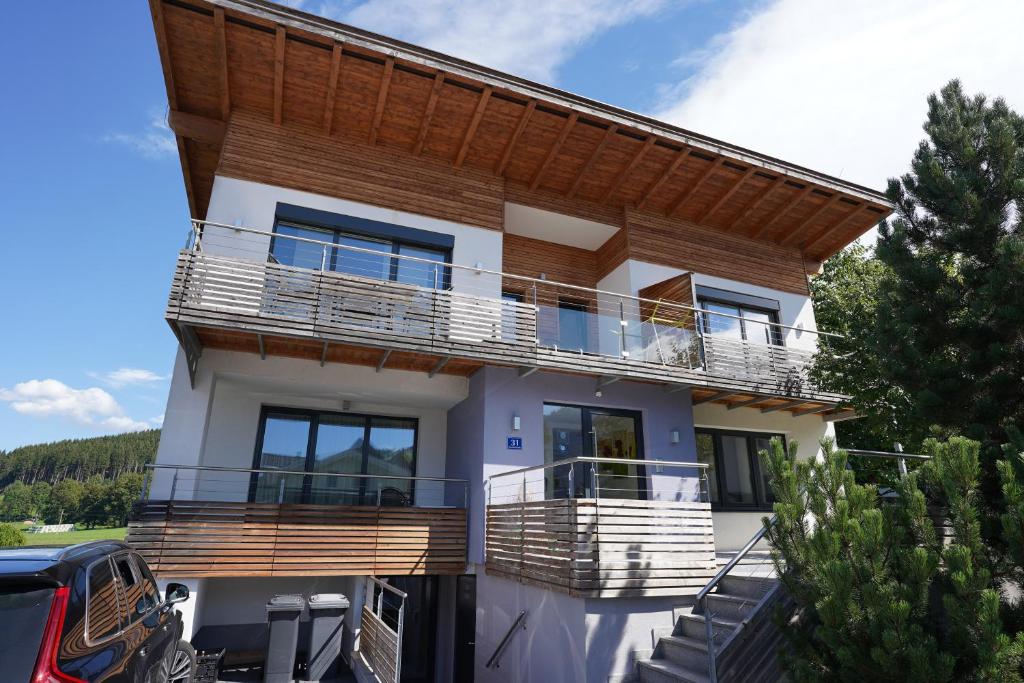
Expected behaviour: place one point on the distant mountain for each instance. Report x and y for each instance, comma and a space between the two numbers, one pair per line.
107, 456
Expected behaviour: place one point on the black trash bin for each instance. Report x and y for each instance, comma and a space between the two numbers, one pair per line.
283, 612
327, 614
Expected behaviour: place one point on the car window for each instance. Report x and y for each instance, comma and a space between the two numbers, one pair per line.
131, 588
101, 614
25, 610
150, 593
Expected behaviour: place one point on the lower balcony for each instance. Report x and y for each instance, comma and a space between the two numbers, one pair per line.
230, 522
600, 528
340, 303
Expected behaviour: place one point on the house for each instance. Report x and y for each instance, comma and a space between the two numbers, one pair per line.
491, 359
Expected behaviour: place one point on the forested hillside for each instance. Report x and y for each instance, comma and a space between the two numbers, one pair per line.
79, 459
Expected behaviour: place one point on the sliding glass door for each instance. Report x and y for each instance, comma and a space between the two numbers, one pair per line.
581, 431
334, 444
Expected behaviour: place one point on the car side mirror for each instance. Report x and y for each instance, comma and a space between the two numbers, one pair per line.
175, 593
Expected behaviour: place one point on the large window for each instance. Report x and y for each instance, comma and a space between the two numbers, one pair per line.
334, 443
581, 431
736, 478
366, 248
739, 316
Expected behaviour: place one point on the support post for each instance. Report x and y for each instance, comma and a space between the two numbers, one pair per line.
709, 630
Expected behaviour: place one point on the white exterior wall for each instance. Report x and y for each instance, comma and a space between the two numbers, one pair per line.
235, 386
734, 529
253, 205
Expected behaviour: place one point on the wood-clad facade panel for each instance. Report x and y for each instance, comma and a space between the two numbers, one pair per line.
207, 538
254, 149
557, 262
679, 244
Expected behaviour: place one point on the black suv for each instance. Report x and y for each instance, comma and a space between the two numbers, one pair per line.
87, 613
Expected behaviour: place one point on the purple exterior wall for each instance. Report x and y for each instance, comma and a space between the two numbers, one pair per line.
479, 425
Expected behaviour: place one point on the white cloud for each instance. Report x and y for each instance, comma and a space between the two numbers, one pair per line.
128, 376
840, 86
530, 39
157, 421
156, 141
52, 398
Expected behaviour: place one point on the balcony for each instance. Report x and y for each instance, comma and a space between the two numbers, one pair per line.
228, 522
602, 527
338, 302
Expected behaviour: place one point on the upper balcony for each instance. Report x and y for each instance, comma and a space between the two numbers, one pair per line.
346, 301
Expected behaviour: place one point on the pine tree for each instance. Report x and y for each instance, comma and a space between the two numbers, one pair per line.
951, 311
878, 596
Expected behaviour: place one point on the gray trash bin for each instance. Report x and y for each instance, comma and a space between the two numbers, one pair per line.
327, 614
283, 612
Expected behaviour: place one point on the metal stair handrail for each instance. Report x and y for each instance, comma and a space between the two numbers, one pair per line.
495, 660
702, 594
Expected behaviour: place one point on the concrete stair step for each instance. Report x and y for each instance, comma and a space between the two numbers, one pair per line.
664, 671
730, 607
693, 625
746, 586
686, 651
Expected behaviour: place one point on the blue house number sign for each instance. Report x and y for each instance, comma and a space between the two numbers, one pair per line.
515, 443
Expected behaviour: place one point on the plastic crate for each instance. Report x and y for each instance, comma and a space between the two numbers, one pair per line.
208, 665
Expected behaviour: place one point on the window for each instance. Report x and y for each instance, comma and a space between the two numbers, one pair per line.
150, 592
572, 325
335, 444
132, 590
580, 431
101, 612
366, 248
736, 479
739, 316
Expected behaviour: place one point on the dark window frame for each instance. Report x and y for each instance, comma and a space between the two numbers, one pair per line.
761, 502
314, 423
769, 307
587, 426
391, 236
89, 639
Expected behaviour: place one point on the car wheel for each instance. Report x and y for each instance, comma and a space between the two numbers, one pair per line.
183, 666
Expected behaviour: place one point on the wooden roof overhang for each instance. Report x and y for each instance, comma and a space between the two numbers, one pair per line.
299, 70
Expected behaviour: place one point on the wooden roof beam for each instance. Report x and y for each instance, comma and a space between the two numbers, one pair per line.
279, 41
725, 196
692, 190
782, 210
669, 172
813, 411
199, 128
794, 236
608, 135
332, 87
474, 123
648, 143
788, 405
382, 98
511, 145
813, 240
553, 152
156, 7
718, 396
750, 402
428, 113
220, 46
756, 201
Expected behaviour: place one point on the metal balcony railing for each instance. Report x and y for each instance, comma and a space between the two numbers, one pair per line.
339, 288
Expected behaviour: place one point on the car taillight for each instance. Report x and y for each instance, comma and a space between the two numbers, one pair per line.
46, 663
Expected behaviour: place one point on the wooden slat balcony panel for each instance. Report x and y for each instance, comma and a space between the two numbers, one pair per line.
225, 293
603, 548
212, 538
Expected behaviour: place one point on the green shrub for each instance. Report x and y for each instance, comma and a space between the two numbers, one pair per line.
11, 536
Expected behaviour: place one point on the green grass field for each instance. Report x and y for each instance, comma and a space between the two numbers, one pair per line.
77, 536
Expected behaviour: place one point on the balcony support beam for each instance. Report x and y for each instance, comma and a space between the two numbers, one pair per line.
440, 365
323, 354
750, 402
383, 360
714, 397
263, 350
527, 371
813, 411
676, 388
783, 406
840, 416
603, 382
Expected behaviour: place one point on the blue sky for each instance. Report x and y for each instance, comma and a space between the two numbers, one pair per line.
95, 209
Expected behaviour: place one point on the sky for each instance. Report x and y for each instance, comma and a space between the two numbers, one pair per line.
95, 208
